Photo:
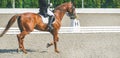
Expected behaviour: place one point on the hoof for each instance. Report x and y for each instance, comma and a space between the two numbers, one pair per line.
48, 45
25, 52
18, 50
57, 51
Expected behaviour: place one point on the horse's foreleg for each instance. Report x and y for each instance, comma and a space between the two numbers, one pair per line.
55, 40
55, 44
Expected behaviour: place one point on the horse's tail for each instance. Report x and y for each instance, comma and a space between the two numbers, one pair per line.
10, 23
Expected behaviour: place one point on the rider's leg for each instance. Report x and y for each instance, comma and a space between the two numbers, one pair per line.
51, 19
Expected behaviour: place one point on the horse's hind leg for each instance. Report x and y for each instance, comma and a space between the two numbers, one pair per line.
21, 39
19, 42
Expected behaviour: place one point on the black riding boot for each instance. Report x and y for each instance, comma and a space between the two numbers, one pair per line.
45, 12
51, 19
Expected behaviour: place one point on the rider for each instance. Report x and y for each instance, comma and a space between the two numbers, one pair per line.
43, 4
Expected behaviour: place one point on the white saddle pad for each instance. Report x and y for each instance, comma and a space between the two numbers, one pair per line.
45, 19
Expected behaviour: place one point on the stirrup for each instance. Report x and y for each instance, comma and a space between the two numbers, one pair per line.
50, 28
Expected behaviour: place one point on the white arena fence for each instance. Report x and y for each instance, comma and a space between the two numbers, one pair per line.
70, 30
78, 10
78, 29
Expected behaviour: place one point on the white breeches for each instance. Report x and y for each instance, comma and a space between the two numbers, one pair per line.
49, 12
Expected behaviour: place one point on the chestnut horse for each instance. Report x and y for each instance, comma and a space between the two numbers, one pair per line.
27, 22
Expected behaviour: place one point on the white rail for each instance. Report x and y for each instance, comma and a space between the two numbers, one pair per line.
78, 10
94, 29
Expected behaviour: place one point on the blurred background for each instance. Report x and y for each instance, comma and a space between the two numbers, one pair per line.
78, 3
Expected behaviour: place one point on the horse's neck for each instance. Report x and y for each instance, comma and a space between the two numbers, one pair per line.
60, 14
60, 11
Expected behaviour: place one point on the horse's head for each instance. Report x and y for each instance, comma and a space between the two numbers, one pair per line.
66, 7
71, 11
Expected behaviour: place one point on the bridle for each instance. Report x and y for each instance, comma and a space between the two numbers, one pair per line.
72, 14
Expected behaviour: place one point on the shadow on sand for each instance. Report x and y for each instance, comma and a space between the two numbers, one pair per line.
14, 50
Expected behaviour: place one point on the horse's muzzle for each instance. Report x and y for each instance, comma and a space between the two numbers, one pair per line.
72, 17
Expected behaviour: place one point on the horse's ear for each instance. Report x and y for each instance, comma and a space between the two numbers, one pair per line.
72, 1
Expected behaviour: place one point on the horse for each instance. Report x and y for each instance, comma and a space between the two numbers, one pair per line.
29, 21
